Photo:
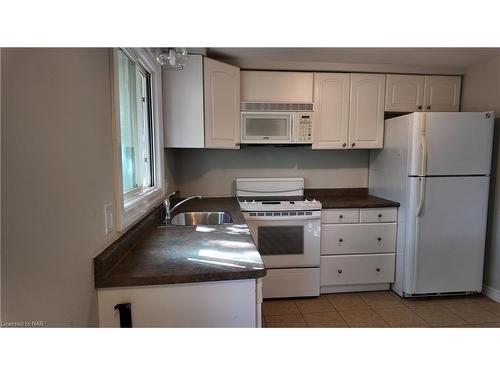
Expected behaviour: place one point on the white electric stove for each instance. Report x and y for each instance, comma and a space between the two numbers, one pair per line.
286, 227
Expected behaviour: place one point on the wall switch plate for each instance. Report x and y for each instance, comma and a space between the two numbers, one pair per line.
108, 218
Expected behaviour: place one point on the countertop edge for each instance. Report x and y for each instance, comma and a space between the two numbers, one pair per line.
175, 280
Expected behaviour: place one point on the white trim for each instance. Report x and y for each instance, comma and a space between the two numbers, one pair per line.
492, 293
129, 214
354, 288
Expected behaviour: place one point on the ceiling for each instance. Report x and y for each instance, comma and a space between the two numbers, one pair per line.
423, 60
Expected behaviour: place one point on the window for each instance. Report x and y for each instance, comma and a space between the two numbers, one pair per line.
138, 133
134, 84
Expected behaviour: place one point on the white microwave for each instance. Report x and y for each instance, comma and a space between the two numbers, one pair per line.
278, 127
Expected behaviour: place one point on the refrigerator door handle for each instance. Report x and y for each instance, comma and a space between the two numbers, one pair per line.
422, 194
423, 145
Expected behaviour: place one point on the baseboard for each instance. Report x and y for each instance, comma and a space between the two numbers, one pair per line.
492, 293
354, 288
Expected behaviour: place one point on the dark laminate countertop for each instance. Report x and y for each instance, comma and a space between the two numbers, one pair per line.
185, 254
348, 198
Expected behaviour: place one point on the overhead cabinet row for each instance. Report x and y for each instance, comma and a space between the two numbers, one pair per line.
202, 102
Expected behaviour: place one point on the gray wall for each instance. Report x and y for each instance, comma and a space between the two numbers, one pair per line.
57, 174
212, 172
481, 92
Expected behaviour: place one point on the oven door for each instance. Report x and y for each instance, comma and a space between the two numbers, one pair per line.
286, 242
263, 127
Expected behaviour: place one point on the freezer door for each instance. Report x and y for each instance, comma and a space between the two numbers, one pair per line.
456, 143
446, 240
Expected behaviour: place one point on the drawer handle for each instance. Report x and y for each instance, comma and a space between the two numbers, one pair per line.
378, 269
341, 240
339, 271
341, 216
379, 239
379, 216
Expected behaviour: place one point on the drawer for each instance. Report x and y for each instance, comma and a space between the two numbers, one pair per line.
378, 215
350, 215
357, 269
358, 238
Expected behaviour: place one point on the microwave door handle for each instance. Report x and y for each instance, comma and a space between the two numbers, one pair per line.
291, 127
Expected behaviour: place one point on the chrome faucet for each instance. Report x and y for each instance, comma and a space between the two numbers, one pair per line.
168, 210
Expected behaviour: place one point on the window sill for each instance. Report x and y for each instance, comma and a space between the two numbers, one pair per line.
139, 205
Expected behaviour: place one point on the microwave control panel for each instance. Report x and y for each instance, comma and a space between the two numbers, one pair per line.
304, 129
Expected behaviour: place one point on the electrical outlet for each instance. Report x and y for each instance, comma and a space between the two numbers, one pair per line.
108, 218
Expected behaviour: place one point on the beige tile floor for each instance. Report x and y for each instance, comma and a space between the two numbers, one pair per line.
380, 309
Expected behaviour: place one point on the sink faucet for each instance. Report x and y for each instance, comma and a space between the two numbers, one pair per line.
168, 210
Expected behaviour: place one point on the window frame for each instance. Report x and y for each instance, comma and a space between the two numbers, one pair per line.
136, 203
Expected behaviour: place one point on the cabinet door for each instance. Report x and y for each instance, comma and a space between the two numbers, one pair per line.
222, 104
331, 112
183, 105
366, 111
261, 86
405, 93
442, 93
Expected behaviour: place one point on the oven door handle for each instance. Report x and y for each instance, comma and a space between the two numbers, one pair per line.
314, 216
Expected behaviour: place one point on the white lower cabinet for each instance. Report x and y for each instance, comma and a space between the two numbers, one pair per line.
357, 249
232, 303
357, 269
358, 238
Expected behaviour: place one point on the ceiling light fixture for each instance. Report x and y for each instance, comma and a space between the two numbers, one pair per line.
173, 58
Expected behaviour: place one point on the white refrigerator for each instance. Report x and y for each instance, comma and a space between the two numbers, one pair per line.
437, 166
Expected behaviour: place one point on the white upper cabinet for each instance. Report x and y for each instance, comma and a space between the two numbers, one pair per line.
442, 93
366, 111
183, 114
268, 86
331, 110
201, 105
404, 93
222, 104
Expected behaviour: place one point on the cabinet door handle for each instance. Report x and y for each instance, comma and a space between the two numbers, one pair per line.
339, 271
379, 216
341, 240
353, 144
344, 144
378, 269
419, 107
341, 216
428, 107
379, 239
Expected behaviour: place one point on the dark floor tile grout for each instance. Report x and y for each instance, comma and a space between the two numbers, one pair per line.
380, 316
